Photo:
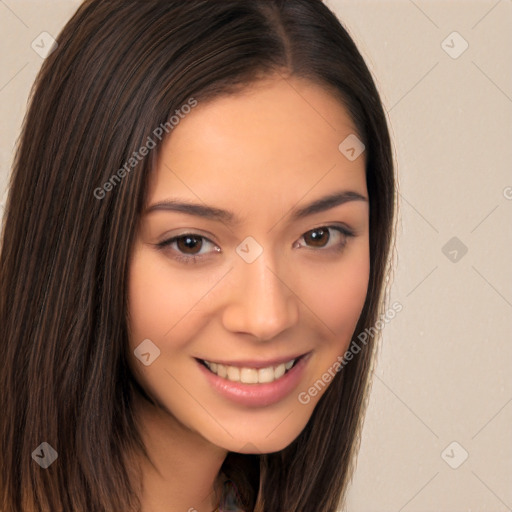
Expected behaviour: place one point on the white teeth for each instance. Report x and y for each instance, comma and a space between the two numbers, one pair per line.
250, 375
266, 375
233, 373
221, 371
279, 371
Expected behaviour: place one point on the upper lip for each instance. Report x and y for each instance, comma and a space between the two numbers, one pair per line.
254, 363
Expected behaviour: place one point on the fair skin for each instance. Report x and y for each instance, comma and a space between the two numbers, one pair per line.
261, 155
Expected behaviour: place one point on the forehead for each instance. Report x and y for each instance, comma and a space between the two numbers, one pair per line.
271, 145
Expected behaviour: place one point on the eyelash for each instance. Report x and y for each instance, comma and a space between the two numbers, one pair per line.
347, 233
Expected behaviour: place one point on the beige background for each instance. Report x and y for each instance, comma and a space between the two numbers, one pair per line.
443, 374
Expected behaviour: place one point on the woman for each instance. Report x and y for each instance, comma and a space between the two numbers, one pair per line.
199, 222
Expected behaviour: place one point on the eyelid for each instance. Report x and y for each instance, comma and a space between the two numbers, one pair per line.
165, 244
343, 230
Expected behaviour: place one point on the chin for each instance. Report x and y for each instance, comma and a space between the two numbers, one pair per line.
264, 436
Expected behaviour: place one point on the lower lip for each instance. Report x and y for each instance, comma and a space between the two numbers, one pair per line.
258, 395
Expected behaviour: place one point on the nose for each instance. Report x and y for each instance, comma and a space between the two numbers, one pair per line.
262, 303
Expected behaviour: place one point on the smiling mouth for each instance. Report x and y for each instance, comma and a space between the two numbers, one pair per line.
247, 375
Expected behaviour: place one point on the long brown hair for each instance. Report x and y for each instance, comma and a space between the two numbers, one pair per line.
121, 69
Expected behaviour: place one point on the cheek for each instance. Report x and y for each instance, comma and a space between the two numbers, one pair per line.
163, 308
162, 301
338, 295
149, 300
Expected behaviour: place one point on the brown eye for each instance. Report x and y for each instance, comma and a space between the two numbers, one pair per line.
189, 244
188, 248
326, 238
318, 237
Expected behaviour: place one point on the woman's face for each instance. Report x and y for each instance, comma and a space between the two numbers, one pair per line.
231, 267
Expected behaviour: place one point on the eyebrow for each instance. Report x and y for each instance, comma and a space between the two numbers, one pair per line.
209, 212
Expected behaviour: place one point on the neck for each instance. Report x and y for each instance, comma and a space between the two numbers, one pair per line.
184, 470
